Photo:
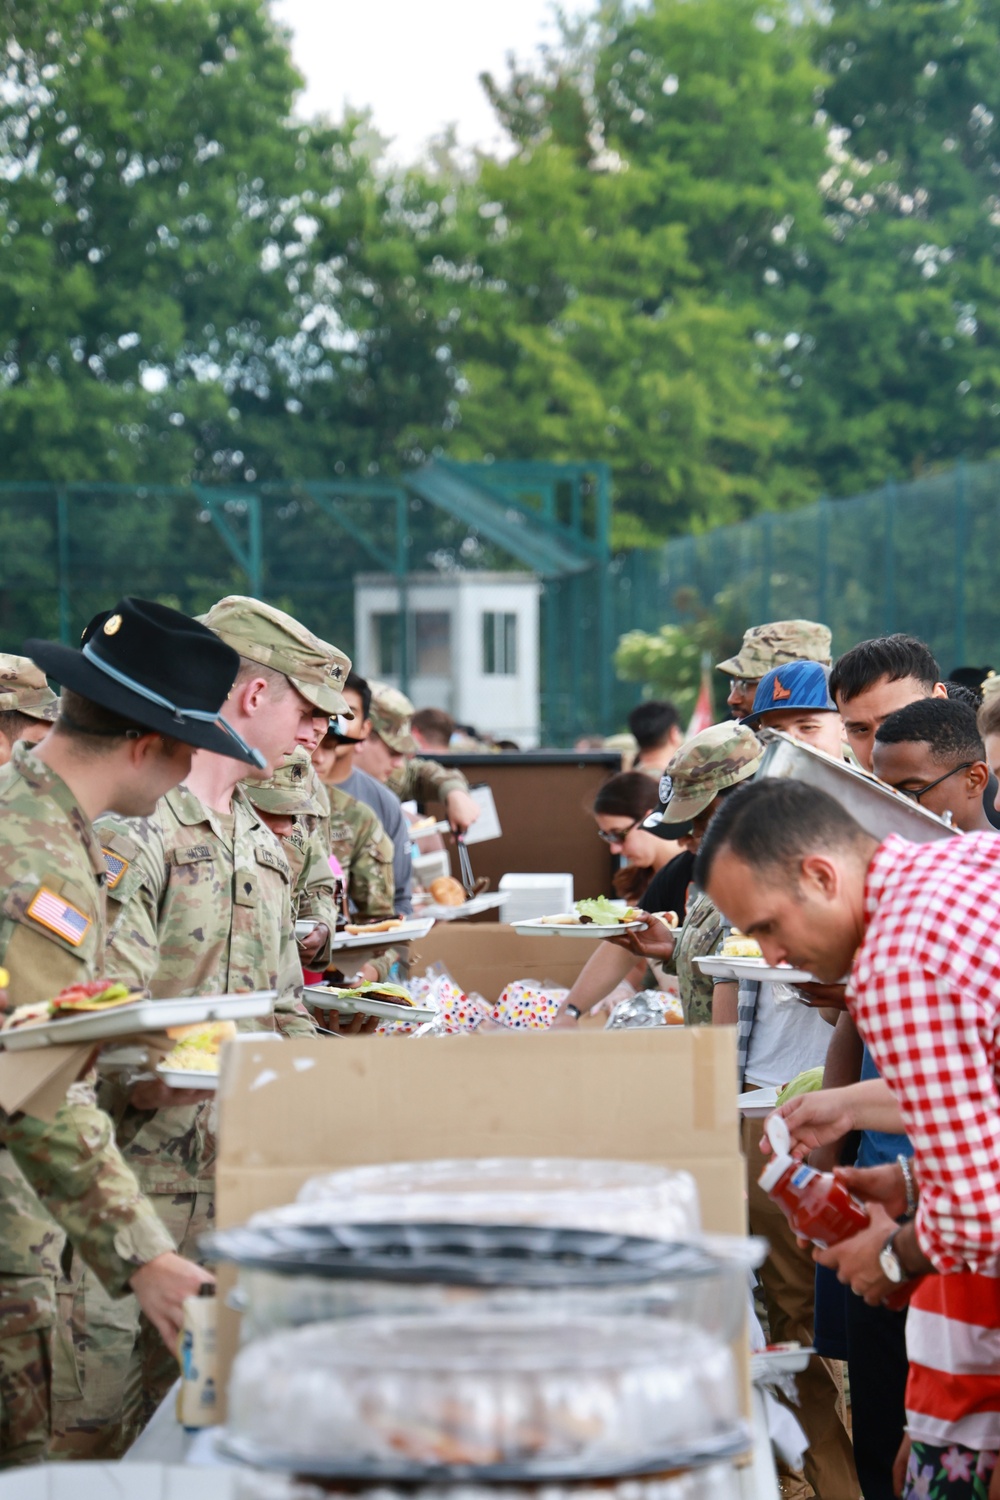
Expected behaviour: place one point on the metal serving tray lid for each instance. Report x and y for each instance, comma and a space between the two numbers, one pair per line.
878, 808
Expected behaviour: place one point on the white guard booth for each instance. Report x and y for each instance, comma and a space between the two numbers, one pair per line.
472, 645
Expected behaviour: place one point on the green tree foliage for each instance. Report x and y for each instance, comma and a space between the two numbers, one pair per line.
892, 366
623, 254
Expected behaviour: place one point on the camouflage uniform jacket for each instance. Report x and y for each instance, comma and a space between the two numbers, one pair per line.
421, 780
364, 852
71, 1162
195, 910
314, 892
700, 936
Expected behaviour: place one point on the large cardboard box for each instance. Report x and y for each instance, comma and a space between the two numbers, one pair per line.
288, 1112
485, 958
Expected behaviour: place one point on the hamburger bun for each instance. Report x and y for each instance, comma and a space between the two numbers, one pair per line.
447, 891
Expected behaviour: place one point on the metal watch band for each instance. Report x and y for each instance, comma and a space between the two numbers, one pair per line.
909, 1183
574, 1011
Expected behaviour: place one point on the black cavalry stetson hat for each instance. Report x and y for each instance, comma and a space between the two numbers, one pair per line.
156, 667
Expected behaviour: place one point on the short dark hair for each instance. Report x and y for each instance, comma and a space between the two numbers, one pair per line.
893, 656
434, 723
775, 823
93, 727
946, 724
14, 725
630, 794
960, 692
359, 685
652, 722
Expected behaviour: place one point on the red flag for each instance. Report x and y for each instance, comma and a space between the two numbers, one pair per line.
704, 711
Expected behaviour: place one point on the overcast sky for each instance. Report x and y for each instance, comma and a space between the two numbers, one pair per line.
416, 63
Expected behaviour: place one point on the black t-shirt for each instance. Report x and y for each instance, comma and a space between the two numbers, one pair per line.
667, 891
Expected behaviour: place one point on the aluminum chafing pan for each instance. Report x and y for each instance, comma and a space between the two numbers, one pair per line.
878, 808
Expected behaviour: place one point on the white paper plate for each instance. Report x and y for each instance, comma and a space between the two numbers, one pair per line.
140, 1016
187, 1078
755, 1104
318, 997
412, 929
539, 927
719, 967
771, 1364
487, 901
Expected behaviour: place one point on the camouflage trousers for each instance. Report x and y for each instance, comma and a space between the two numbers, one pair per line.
27, 1319
119, 1370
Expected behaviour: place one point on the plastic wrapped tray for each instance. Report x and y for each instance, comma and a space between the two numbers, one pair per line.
634, 1198
499, 1397
718, 1481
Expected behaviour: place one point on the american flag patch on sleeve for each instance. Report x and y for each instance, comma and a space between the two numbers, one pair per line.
115, 866
59, 916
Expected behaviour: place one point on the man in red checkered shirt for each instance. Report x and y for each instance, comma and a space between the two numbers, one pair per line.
916, 926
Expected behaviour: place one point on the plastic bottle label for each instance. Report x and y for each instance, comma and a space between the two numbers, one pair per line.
803, 1175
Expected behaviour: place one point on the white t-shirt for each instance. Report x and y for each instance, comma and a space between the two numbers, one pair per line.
785, 1040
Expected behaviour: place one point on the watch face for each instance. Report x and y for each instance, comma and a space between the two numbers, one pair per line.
891, 1268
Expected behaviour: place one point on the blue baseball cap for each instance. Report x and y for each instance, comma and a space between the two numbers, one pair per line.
798, 684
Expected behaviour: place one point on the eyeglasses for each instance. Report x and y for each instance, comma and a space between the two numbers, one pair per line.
743, 684
916, 792
619, 835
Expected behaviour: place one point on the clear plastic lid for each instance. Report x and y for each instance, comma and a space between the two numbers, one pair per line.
501, 1397
632, 1198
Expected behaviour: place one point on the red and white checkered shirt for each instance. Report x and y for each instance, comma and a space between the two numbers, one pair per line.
925, 994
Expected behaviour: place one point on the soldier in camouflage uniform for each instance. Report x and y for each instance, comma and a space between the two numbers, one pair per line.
410, 776
52, 927
702, 770
28, 706
294, 805
201, 904
767, 646
364, 851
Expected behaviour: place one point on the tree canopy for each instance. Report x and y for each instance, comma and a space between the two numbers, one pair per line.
746, 251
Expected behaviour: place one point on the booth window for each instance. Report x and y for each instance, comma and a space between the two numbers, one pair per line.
499, 645
432, 640
388, 644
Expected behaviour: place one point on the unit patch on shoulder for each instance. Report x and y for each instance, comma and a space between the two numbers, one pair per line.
59, 916
115, 866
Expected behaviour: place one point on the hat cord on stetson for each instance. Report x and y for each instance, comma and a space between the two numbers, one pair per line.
204, 715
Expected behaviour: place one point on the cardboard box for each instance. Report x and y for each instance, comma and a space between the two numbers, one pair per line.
485, 959
291, 1112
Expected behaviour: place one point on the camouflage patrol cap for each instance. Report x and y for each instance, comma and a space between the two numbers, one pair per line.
290, 791
781, 641
25, 690
268, 636
718, 757
390, 713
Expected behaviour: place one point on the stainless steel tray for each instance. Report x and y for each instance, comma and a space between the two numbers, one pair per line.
878, 808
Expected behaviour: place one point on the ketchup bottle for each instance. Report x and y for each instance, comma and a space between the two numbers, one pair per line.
818, 1207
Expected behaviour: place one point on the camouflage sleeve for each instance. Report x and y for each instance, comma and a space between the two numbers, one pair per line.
426, 781
290, 1016
75, 1167
132, 952
370, 881
382, 963
316, 890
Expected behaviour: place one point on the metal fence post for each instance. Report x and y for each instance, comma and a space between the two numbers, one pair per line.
402, 575
62, 544
960, 545
889, 558
255, 550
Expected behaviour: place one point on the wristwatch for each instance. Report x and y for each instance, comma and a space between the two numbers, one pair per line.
574, 1011
892, 1266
